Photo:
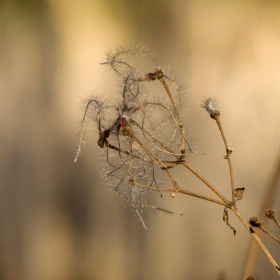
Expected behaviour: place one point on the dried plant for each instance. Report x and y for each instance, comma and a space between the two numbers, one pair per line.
143, 138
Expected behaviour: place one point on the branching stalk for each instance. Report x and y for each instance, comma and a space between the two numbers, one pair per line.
144, 139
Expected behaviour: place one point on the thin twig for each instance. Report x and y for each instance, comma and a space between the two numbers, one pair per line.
228, 155
202, 197
270, 234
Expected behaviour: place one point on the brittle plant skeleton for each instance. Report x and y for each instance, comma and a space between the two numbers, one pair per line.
133, 136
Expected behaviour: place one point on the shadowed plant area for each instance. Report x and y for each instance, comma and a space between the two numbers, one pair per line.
143, 135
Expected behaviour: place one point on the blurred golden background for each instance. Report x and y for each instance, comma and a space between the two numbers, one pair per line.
57, 220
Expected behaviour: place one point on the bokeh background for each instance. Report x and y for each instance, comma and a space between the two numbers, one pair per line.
57, 220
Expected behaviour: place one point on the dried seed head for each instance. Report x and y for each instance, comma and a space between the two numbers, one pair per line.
142, 133
269, 213
150, 77
255, 222
159, 73
210, 105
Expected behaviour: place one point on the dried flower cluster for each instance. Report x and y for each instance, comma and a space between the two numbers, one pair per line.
142, 135
142, 132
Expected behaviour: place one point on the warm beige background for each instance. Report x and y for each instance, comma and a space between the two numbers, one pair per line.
58, 221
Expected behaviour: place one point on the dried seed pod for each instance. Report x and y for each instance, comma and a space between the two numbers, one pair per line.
255, 222
269, 213
238, 193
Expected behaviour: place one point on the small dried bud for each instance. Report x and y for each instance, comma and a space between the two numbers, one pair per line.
255, 222
103, 135
210, 105
172, 194
150, 77
158, 73
229, 150
126, 130
238, 193
269, 213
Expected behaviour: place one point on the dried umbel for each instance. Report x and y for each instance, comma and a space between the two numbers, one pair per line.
141, 131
